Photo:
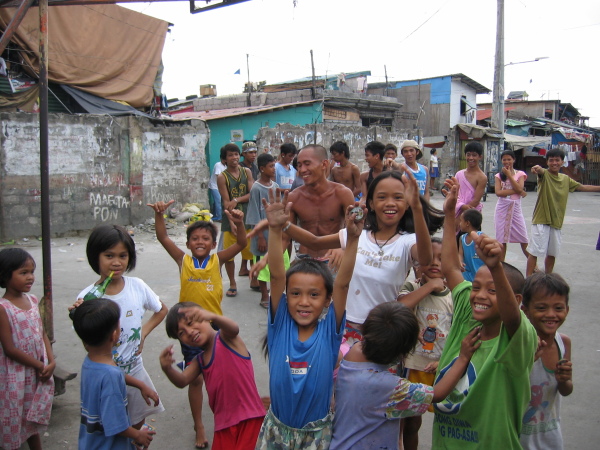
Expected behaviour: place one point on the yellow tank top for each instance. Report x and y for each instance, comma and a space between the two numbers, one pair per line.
201, 282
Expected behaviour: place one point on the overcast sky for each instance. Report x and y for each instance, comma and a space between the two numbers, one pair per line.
413, 39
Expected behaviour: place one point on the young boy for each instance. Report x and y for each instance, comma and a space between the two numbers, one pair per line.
411, 152
374, 153
486, 410
369, 399
470, 220
201, 282
472, 180
285, 174
234, 184
344, 171
546, 305
431, 301
549, 211
256, 213
104, 419
227, 368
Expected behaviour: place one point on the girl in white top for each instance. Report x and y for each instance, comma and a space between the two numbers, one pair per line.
396, 217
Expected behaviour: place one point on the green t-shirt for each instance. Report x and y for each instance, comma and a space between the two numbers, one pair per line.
485, 409
551, 204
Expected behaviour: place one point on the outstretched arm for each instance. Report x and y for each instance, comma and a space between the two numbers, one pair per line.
175, 376
411, 190
451, 266
446, 384
490, 251
278, 214
236, 218
344, 275
161, 231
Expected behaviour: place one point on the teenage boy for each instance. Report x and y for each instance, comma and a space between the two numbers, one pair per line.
549, 211
250, 152
344, 171
485, 409
104, 419
411, 152
472, 180
374, 153
284, 171
234, 184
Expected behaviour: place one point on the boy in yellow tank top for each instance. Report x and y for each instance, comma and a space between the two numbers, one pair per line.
201, 282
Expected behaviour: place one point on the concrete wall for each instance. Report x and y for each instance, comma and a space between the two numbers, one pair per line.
102, 169
256, 99
356, 138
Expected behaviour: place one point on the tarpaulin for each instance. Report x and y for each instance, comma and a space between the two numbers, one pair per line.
106, 50
97, 105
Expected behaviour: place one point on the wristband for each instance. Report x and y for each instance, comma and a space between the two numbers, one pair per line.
235, 199
284, 229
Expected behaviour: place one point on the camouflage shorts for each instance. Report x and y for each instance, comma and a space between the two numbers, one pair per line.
276, 435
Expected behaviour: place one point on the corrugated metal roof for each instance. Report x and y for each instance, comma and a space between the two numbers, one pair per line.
483, 114
221, 113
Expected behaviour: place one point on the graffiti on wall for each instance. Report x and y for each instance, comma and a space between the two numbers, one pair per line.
106, 207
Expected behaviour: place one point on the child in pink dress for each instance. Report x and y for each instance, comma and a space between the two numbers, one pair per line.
26, 360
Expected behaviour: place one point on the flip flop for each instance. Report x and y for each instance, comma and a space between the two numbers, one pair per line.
265, 304
204, 445
230, 293
255, 288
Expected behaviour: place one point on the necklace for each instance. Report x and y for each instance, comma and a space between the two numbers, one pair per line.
381, 252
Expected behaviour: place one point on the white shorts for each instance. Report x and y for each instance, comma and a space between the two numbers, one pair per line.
544, 240
137, 408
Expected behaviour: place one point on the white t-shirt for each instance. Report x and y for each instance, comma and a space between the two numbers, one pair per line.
434, 161
217, 169
134, 300
376, 278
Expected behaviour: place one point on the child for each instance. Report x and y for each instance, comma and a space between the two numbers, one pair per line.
434, 169
104, 419
472, 180
201, 282
234, 184
369, 399
303, 347
549, 211
431, 301
486, 409
110, 248
26, 359
546, 304
227, 368
470, 220
256, 213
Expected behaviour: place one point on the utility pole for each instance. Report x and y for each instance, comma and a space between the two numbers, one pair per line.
249, 84
314, 81
386, 80
498, 93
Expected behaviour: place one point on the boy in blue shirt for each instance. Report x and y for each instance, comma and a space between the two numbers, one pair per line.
104, 420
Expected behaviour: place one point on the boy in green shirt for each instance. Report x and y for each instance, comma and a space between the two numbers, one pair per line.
549, 211
485, 409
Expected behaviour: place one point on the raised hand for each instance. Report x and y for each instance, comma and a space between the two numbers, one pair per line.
277, 208
160, 207
450, 189
354, 226
489, 250
411, 188
235, 216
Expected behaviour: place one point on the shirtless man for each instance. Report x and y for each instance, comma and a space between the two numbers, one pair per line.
472, 180
319, 206
346, 173
374, 154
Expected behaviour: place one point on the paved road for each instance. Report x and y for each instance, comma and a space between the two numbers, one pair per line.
579, 263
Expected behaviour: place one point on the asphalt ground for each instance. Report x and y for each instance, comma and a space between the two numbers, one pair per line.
579, 263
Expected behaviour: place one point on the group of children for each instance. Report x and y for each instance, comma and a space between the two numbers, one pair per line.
468, 347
